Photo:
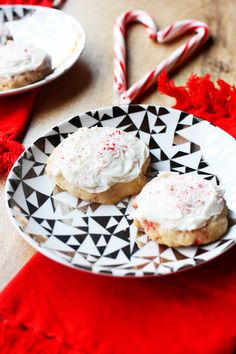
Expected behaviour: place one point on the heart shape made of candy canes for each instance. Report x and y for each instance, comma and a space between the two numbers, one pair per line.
169, 33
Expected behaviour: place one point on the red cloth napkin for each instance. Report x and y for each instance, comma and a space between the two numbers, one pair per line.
14, 115
51, 309
49, 3
203, 99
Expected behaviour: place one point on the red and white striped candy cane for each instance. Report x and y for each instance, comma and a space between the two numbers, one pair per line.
167, 34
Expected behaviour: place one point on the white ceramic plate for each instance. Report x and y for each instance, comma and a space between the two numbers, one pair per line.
58, 33
101, 238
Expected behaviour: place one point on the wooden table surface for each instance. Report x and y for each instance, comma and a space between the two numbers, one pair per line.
89, 84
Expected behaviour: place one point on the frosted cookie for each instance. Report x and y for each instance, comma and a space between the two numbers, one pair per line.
180, 210
100, 164
21, 65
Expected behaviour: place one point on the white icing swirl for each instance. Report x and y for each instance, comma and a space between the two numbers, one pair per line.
16, 58
96, 158
178, 202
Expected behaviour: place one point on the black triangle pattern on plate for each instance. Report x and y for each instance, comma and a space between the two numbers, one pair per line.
160, 122
106, 117
14, 13
91, 236
153, 110
18, 170
182, 116
135, 109
196, 120
76, 121
14, 183
130, 126
96, 115
162, 111
145, 124
118, 111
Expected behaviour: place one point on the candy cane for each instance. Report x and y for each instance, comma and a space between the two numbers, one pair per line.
167, 34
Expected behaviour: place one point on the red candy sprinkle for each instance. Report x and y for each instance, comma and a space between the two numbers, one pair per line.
148, 225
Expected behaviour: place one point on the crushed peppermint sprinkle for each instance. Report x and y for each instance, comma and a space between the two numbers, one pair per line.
148, 225
113, 143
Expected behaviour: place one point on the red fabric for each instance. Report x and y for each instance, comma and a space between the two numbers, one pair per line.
48, 3
200, 97
14, 114
51, 309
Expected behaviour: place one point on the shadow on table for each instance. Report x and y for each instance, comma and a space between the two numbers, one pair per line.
64, 89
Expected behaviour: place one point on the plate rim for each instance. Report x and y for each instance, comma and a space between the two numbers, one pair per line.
60, 260
50, 77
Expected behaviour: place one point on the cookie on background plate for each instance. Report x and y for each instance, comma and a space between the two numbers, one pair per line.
21, 65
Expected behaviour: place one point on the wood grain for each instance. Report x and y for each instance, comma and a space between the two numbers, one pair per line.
89, 84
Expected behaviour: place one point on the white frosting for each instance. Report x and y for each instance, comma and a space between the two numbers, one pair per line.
178, 202
96, 158
18, 58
